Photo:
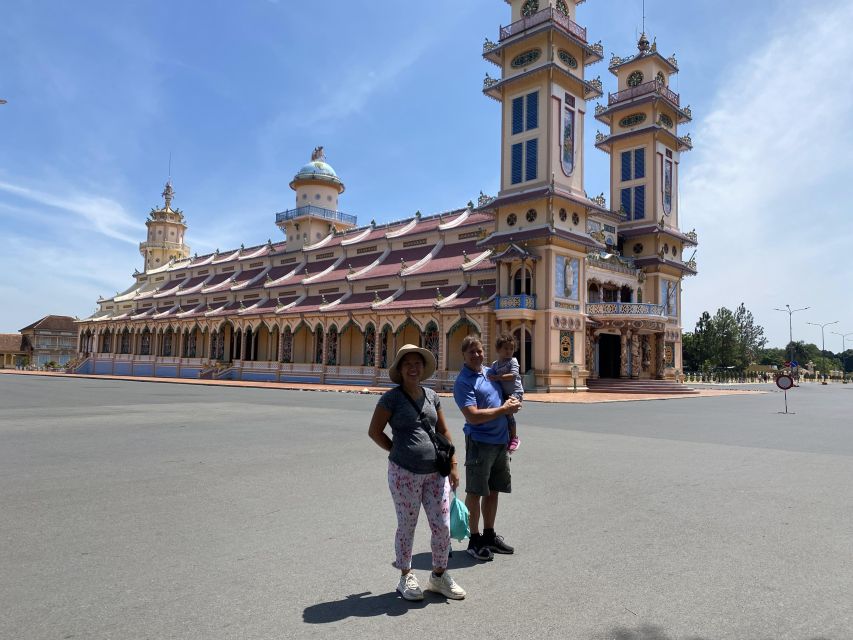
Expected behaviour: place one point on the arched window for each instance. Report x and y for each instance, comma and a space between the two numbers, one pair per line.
318, 344
369, 346
167, 343
431, 341
594, 294
106, 342
383, 343
522, 282
191, 344
124, 345
145, 344
287, 345
332, 349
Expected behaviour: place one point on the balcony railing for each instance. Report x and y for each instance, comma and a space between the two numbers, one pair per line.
541, 17
644, 89
319, 212
624, 309
522, 301
621, 264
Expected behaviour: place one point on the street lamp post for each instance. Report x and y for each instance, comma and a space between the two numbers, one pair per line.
822, 341
790, 313
844, 337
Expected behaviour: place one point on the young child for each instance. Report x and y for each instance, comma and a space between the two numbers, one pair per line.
506, 371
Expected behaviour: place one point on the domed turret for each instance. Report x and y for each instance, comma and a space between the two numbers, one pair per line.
316, 214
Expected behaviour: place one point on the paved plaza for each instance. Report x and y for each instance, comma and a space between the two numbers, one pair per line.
139, 510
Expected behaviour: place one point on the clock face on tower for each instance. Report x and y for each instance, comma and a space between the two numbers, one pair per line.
529, 7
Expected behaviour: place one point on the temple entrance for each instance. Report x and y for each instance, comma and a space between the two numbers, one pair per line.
609, 352
525, 359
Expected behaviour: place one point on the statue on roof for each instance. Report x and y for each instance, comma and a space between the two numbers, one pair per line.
318, 154
168, 194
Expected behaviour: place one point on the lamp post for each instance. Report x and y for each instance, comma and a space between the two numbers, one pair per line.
844, 337
790, 313
822, 341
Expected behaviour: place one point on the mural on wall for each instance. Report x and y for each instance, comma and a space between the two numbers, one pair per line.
669, 354
667, 186
566, 277
568, 155
669, 298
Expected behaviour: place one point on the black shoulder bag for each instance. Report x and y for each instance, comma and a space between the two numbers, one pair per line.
444, 448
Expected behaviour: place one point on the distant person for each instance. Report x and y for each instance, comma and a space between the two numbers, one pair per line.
507, 372
410, 410
487, 471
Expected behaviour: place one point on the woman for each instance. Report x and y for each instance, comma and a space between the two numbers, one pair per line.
412, 475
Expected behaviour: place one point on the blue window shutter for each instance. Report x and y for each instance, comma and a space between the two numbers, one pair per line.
517, 115
532, 110
626, 202
639, 202
626, 166
639, 163
516, 163
532, 156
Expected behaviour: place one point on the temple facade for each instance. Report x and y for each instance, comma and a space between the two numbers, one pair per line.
588, 290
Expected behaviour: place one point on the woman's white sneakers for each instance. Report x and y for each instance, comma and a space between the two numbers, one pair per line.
446, 586
409, 587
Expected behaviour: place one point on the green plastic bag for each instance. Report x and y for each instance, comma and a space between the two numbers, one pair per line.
458, 519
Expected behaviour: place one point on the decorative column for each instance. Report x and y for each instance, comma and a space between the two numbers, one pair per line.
635, 356
623, 355
660, 355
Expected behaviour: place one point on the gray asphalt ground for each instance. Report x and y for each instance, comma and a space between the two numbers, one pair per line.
140, 510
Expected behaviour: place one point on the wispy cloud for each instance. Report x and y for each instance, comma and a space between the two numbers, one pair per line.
764, 186
101, 214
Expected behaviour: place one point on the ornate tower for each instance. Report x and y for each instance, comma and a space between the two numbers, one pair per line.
542, 211
316, 215
166, 229
542, 55
645, 148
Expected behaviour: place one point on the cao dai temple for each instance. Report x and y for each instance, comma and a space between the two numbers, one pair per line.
590, 291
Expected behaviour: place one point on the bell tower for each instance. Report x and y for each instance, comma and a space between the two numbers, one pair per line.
166, 230
543, 91
644, 145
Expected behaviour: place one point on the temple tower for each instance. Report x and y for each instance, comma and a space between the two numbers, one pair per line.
316, 214
542, 210
645, 150
166, 230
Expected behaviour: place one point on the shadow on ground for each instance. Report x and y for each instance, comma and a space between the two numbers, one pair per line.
653, 632
365, 605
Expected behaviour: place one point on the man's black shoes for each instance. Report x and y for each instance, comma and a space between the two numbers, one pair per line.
478, 549
496, 543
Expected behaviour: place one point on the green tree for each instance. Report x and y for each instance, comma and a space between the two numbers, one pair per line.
750, 337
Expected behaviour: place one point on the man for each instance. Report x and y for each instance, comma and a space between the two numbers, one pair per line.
487, 471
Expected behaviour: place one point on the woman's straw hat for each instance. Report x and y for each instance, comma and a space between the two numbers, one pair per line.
429, 363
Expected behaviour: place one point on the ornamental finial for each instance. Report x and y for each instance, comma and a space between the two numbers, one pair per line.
643, 45
318, 154
168, 194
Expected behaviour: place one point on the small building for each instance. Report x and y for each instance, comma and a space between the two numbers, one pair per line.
51, 339
13, 355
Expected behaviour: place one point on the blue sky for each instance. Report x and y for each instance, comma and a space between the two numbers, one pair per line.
100, 93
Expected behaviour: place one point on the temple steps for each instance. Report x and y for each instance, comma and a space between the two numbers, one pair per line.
657, 387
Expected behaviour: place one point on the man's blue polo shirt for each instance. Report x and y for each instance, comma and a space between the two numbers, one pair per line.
473, 388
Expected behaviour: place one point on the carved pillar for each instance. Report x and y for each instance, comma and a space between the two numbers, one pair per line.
635, 356
623, 354
661, 355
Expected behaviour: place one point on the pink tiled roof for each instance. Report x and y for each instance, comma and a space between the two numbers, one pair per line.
246, 276
313, 303
391, 264
194, 282
448, 258
219, 282
419, 298
342, 270
361, 301
471, 297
